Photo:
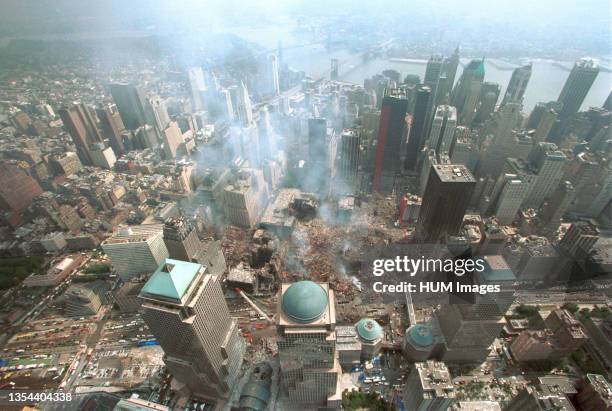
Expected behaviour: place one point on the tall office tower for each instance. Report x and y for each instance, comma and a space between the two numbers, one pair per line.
429, 387
184, 306
469, 327
391, 131
545, 125
271, 76
432, 79
577, 86
244, 109
135, 250
542, 397
445, 201
449, 71
156, 112
504, 121
466, 93
309, 365
182, 241
549, 164
489, 94
348, 158
197, 87
442, 135
17, 188
418, 129
428, 159
227, 108
579, 239
508, 195
556, 206
245, 197
173, 138
82, 127
333, 73
586, 174
517, 85
130, 101
112, 125
146, 137
317, 140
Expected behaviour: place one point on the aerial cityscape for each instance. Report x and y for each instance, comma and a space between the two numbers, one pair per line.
300, 205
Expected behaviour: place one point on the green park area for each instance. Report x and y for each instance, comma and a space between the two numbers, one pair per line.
14, 270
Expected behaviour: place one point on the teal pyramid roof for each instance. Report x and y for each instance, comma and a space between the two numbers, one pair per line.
171, 279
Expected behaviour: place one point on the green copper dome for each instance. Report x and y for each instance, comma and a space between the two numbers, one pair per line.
304, 301
369, 330
421, 335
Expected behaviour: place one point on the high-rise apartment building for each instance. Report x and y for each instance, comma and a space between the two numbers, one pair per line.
310, 369
137, 249
184, 307
445, 201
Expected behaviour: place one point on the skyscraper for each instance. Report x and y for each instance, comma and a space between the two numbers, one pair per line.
136, 250
518, 84
112, 125
271, 76
432, 79
348, 158
577, 87
244, 108
391, 131
173, 138
130, 101
441, 137
447, 78
445, 201
82, 127
508, 194
197, 87
416, 139
548, 163
489, 93
466, 94
184, 306
309, 364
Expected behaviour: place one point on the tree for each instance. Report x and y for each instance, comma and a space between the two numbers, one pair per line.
571, 307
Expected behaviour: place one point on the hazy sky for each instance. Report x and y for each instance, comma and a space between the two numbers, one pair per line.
588, 20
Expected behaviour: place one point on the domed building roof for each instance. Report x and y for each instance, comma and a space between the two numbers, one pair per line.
368, 330
420, 335
304, 301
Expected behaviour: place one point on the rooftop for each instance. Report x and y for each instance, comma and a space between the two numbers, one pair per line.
171, 279
304, 301
453, 172
368, 330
